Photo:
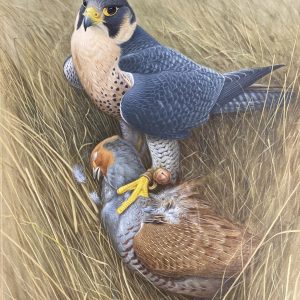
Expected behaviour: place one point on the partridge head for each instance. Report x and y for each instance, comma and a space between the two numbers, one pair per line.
156, 91
173, 238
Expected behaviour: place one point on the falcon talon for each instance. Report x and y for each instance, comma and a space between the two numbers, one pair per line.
162, 94
140, 189
162, 176
108, 42
179, 242
153, 187
148, 174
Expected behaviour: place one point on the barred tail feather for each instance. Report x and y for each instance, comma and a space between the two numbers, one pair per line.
254, 99
238, 82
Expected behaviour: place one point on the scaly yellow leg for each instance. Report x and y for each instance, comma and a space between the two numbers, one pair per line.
140, 189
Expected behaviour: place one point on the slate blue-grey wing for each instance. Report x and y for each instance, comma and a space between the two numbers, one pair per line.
156, 59
239, 93
143, 54
237, 82
172, 94
168, 104
140, 40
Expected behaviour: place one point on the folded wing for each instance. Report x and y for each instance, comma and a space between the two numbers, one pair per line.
183, 237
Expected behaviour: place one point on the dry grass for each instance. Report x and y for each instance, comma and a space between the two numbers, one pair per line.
53, 246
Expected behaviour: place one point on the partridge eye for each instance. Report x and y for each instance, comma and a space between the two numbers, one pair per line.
84, 3
110, 11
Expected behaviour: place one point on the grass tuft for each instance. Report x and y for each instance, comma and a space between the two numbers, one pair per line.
53, 246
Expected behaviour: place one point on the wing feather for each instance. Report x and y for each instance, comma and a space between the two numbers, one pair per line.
170, 92
196, 242
169, 104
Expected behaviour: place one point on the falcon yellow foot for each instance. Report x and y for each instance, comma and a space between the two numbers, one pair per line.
140, 187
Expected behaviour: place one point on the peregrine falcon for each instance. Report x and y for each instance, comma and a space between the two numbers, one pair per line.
173, 238
150, 88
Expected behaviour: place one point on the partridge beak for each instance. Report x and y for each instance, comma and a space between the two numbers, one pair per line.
95, 167
97, 173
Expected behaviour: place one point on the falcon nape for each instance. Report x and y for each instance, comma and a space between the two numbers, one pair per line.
153, 89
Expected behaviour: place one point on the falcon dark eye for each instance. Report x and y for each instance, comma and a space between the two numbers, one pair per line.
110, 11
84, 3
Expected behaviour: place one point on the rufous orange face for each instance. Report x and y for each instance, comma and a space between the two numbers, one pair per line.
101, 158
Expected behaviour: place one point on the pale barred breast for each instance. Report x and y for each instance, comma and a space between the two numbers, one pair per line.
108, 96
96, 59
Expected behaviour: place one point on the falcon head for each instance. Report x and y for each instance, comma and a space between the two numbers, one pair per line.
115, 17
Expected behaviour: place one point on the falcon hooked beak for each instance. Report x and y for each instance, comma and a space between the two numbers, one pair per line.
91, 17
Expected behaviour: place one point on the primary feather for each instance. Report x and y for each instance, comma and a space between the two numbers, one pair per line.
171, 94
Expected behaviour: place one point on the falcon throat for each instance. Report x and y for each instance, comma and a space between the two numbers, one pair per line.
96, 60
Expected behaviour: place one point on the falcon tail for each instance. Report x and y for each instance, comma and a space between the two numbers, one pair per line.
254, 98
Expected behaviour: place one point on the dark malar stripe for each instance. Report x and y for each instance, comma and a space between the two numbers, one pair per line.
81, 16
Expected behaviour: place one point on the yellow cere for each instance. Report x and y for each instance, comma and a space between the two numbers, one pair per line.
93, 14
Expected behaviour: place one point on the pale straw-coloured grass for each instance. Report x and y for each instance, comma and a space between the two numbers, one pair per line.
53, 245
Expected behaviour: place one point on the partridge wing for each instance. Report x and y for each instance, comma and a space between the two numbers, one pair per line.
185, 237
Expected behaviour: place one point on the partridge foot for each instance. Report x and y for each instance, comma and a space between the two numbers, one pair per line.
140, 187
